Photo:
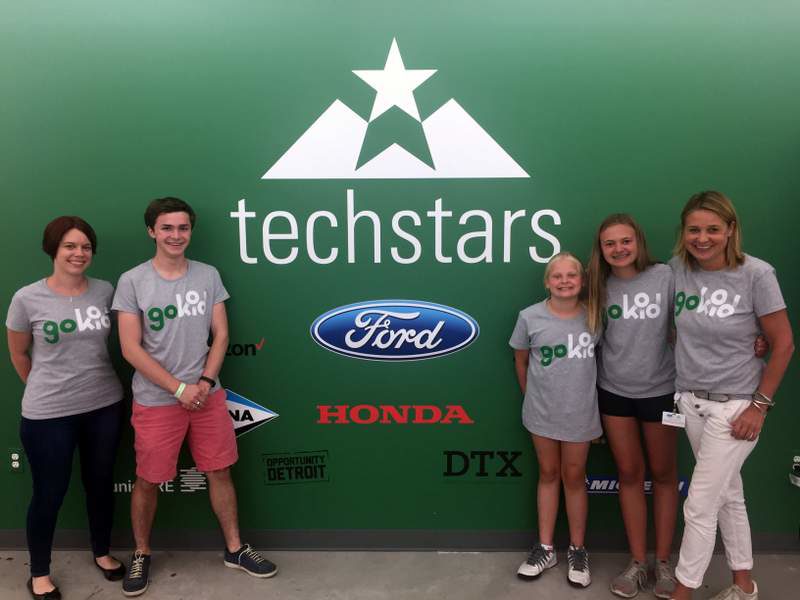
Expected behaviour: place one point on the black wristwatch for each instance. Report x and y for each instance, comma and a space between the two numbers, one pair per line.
208, 380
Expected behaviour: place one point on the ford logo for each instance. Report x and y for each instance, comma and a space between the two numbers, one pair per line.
394, 330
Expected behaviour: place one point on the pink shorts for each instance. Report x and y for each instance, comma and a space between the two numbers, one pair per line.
160, 431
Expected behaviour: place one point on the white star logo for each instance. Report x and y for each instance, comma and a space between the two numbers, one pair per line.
394, 84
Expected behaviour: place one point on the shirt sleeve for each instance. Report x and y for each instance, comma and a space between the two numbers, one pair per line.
767, 297
219, 291
519, 338
671, 292
125, 296
17, 318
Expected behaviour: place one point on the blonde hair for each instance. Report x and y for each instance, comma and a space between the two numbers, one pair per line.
570, 257
719, 204
599, 270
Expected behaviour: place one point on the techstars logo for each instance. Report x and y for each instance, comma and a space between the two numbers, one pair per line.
395, 143
455, 146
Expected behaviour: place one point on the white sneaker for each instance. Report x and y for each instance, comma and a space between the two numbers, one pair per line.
539, 559
734, 592
578, 572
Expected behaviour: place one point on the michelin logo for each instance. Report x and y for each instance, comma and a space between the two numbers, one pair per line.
246, 414
331, 147
610, 485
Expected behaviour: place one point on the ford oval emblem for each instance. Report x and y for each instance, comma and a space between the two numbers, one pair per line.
394, 330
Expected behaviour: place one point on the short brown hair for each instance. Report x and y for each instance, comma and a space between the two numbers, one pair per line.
719, 204
161, 206
56, 229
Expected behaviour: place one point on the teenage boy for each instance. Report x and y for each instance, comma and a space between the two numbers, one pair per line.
166, 308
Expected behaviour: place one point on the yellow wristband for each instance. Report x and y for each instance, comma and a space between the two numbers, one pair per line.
179, 391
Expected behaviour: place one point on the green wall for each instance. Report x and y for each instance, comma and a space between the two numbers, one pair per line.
609, 106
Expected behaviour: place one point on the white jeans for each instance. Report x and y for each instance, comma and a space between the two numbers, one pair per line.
716, 494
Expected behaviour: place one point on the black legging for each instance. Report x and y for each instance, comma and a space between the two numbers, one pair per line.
50, 445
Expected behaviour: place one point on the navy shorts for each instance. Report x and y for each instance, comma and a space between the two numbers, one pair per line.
644, 409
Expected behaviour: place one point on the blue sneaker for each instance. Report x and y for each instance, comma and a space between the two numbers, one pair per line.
138, 576
250, 561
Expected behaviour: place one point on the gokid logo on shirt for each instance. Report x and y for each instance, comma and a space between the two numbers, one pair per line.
641, 308
716, 304
584, 349
95, 319
189, 305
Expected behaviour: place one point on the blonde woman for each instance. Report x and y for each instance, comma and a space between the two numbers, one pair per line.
723, 298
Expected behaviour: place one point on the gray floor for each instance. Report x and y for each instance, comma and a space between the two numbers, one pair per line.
368, 575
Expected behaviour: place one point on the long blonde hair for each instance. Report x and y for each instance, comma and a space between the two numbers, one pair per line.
599, 269
719, 204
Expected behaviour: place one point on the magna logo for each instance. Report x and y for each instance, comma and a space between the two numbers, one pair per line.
394, 330
246, 414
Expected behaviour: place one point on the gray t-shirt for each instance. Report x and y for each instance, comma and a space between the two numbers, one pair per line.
561, 394
71, 371
176, 321
635, 359
716, 316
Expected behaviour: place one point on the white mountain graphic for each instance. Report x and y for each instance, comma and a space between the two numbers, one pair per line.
459, 147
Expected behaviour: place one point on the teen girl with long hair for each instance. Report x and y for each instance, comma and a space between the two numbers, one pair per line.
630, 304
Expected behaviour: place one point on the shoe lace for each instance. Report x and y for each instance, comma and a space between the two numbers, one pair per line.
537, 556
252, 554
578, 559
664, 571
635, 572
137, 565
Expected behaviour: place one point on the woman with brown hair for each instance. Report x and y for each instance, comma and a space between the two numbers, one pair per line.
57, 335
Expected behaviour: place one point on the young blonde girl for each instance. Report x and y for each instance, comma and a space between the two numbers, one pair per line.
556, 371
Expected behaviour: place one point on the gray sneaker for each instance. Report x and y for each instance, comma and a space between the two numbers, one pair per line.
665, 580
734, 592
628, 583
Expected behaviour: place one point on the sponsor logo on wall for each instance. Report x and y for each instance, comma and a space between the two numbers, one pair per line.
296, 467
246, 414
601, 484
237, 349
187, 481
481, 464
395, 142
332, 147
403, 414
394, 330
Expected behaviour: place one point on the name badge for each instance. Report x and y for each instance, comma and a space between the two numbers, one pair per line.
673, 419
